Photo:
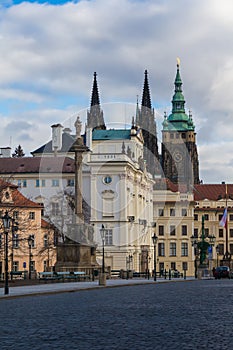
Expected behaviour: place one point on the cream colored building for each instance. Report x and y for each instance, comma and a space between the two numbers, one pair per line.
121, 197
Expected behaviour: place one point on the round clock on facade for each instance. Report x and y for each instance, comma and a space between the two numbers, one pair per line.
177, 156
107, 179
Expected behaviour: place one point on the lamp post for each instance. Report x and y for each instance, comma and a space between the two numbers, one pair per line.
154, 239
14, 229
102, 234
217, 252
6, 219
30, 240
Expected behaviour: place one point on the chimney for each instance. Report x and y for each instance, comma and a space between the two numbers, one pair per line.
56, 137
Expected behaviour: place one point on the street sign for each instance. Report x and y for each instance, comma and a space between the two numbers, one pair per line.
210, 249
24, 265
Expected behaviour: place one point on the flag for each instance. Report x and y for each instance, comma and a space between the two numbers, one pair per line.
223, 221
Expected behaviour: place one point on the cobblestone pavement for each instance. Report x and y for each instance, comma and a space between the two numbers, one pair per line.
186, 315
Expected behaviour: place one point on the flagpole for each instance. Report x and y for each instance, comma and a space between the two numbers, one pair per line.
227, 254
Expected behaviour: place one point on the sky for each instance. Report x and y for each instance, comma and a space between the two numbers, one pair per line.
49, 51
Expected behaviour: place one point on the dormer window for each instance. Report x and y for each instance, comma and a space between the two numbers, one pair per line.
7, 195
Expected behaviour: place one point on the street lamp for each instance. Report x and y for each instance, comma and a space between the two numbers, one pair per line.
6, 219
102, 234
217, 252
202, 245
154, 239
14, 229
30, 241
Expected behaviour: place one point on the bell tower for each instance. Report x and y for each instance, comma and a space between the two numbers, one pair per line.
179, 151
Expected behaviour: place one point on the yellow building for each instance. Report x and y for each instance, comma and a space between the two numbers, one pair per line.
173, 209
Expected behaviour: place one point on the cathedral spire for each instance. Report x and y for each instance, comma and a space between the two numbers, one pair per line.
95, 119
95, 93
146, 100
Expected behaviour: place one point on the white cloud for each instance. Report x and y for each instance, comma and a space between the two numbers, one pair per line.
48, 55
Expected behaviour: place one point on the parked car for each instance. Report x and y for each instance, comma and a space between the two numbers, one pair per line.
222, 272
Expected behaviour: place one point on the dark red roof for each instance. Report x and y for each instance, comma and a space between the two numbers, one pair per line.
212, 191
37, 165
166, 184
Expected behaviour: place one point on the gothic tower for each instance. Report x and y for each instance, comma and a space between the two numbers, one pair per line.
145, 118
179, 151
95, 119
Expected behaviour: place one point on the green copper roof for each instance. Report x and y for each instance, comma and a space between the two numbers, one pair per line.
178, 119
112, 134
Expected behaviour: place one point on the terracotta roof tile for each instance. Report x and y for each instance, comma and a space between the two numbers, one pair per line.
212, 191
37, 165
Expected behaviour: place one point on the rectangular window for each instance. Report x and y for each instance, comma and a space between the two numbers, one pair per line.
195, 232
55, 183
55, 209
15, 240
161, 266
161, 230
220, 217
184, 249
206, 232
70, 182
15, 266
161, 212
33, 243
231, 248
221, 249
40, 183
22, 183
32, 215
172, 230
184, 265
108, 237
206, 217
196, 217
172, 212
184, 230
184, 212
45, 265
161, 249
172, 249
231, 217
231, 232
173, 265
15, 215
220, 233
45, 240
